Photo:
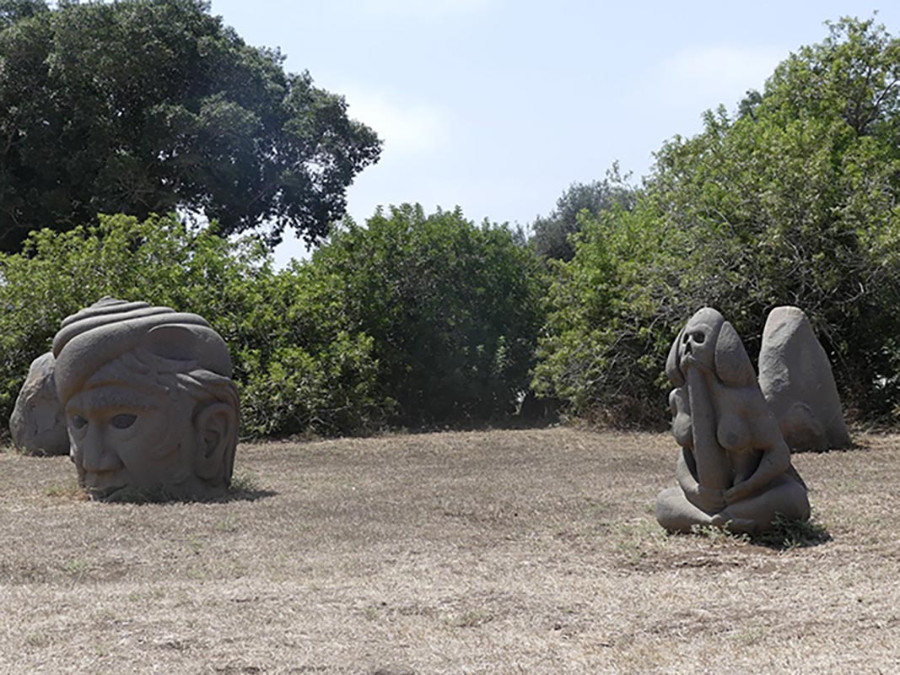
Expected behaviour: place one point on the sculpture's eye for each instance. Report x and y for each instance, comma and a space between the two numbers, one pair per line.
123, 420
698, 337
78, 422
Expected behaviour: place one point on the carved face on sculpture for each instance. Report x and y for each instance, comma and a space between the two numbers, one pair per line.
710, 343
148, 401
696, 343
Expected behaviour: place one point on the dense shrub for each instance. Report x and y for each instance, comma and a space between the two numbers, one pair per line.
412, 320
610, 310
306, 369
791, 202
298, 369
453, 309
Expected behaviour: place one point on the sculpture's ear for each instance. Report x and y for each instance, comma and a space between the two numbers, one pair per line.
216, 429
732, 363
673, 372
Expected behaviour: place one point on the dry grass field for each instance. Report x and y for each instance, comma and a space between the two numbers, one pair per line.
531, 551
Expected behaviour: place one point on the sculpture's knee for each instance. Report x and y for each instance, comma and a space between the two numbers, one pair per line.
758, 514
793, 501
676, 514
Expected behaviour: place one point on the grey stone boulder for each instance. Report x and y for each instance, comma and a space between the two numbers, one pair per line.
796, 379
37, 424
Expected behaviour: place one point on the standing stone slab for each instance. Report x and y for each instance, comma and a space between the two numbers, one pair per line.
37, 424
796, 379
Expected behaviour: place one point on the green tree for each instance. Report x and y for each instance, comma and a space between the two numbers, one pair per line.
608, 310
453, 309
145, 106
551, 234
14, 10
793, 202
298, 366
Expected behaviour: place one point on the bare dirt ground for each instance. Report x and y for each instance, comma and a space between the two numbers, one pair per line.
485, 552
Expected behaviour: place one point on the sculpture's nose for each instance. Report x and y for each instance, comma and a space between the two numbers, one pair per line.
98, 456
692, 343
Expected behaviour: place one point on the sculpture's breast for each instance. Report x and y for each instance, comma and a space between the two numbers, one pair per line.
681, 418
733, 432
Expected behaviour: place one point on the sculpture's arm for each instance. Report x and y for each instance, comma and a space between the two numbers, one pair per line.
775, 461
706, 499
712, 462
683, 474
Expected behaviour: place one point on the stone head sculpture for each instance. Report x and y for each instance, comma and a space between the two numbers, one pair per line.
734, 470
148, 401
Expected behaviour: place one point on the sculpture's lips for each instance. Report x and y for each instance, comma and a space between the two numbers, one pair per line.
105, 493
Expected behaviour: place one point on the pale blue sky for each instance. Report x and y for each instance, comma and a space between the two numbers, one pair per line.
499, 105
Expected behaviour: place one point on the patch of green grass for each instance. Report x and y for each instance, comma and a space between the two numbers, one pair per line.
67, 490
636, 539
470, 619
719, 536
76, 568
227, 524
243, 483
787, 535
37, 640
784, 535
748, 636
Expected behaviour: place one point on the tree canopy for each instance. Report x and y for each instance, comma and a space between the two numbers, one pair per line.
414, 319
453, 309
147, 106
552, 234
791, 201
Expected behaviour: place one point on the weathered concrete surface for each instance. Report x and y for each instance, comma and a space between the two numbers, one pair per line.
796, 379
734, 469
149, 403
37, 425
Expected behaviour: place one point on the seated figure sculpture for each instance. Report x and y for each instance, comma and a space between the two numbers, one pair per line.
149, 404
734, 470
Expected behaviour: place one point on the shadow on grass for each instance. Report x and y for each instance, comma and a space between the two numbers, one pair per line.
787, 535
242, 489
856, 445
245, 494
